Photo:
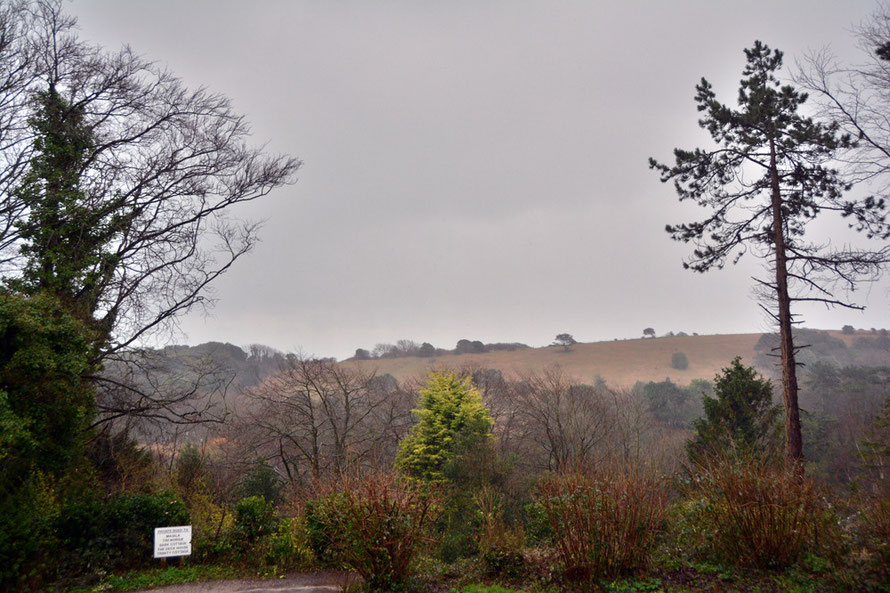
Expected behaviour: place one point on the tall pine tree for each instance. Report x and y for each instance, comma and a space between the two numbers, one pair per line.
768, 176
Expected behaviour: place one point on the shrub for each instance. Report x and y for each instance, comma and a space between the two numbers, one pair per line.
605, 524
93, 536
254, 518
373, 525
27, 542
761, 515
869, 567
679, 361
130, 520
500, 544
288, 547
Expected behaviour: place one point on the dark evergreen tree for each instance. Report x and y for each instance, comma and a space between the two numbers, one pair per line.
261, 481
66, 235
740, 420
766, 179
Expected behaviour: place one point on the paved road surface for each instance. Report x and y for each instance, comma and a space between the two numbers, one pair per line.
316, 582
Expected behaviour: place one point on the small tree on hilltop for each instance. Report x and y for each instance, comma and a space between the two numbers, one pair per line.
453, 422
741, 419
648, 333
565, 340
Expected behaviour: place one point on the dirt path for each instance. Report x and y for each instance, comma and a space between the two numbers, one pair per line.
315, 582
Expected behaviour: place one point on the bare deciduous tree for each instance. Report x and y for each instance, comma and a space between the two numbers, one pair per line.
159, 168
316, 418
566, 422
857, 98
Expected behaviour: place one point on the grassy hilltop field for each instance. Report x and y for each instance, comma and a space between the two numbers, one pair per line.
621, 362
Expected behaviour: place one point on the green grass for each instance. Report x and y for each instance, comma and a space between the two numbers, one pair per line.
158, 577
485, 589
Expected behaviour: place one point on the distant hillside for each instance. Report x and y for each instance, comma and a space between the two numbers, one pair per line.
622, 363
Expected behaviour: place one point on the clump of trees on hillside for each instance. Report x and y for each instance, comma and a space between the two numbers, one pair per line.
405, 348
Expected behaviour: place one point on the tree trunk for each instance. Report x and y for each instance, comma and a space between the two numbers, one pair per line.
793, 440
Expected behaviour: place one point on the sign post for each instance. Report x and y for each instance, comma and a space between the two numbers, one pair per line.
173, 541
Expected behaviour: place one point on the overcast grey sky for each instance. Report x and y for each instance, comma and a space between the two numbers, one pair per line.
474, 169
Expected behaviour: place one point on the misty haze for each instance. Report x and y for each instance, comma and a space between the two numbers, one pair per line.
487, 297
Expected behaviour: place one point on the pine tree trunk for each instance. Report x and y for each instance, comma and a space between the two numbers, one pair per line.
793, 440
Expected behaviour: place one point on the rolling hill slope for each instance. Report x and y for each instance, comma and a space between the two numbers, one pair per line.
621, 363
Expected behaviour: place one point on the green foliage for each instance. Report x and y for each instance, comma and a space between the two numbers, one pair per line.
321, 540
741, 419
537, 527
45, 409
190, 472
66, 234
500, 542
130, 519
90, 536
673, 404
27, 541
254, 518
45, 403
288, 547
160, 577
475, 588
466, 478
452, 421
739, 188
679, 361
261, 480
121, 464
873, 534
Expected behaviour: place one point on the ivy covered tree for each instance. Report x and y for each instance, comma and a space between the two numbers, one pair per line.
740, 420
67, 234
118, 192
767, 177
46, 406
453, 422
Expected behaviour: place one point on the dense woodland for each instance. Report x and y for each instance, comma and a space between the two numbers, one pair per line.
117, 187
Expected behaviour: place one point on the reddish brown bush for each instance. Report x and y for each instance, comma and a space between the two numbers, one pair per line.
762, 515
375, 524
603, 524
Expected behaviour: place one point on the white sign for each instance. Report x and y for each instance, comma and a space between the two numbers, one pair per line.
173, 541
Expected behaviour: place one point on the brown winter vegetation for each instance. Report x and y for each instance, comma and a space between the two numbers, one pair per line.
621, 363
